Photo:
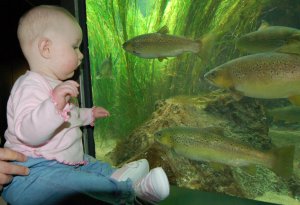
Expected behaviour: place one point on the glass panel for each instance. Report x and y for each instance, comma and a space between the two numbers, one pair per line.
232, 129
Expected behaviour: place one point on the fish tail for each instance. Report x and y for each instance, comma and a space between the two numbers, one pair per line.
206, 44
283, 161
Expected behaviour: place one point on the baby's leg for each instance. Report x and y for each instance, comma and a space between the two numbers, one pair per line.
50, 182
134, 170
96, 166
152, 187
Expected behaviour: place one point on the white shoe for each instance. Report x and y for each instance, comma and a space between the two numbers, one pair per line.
134, 170
154, 187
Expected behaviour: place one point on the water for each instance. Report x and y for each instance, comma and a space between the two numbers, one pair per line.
151, 86
194, 197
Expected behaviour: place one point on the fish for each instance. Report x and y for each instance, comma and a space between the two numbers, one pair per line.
269, 75
208, 144
289, 114
160, 45
270, 38
105, 70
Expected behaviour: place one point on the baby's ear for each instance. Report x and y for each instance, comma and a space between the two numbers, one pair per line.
44, 45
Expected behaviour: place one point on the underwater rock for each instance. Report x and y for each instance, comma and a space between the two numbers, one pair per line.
243, 120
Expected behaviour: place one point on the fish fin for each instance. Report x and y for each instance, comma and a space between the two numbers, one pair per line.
215, 129
292, 47
206, 44
163, 30
283, 161
250, 169
296, 37
236, 95
264, 24
275, 118
295, 100
161, 58
217, 166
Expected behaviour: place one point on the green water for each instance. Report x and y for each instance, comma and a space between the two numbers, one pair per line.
137, 83
130, 86
192, 197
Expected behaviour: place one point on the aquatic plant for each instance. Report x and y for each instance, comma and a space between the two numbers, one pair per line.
138, 83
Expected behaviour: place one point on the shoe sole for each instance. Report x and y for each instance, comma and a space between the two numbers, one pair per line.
161, 181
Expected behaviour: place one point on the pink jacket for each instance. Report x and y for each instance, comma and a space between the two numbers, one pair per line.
36, 128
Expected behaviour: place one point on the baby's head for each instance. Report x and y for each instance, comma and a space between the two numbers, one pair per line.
50, 38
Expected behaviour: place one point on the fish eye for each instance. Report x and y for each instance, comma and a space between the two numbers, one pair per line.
210, 75
157, 134
213, 74
136, 53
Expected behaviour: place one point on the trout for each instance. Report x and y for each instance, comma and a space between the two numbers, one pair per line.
207, 144
270, 38
161, 45
267, 75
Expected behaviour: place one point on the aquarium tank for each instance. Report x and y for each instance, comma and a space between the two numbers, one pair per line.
207, 89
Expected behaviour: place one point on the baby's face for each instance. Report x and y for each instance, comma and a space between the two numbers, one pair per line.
66, 54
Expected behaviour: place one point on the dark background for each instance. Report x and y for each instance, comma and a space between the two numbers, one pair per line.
12, 62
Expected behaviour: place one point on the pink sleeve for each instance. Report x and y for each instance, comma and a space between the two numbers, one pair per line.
36, 118
86, 115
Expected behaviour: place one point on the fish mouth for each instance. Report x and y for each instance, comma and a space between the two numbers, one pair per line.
128, 47
208, 77
202, 78
136, 53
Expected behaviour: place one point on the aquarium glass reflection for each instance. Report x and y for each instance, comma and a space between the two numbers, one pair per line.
209, 90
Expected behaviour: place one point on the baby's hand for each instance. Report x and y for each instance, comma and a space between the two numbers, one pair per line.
100, 112
63, 92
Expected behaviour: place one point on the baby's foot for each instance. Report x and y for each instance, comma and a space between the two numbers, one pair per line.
154, 187
134, 170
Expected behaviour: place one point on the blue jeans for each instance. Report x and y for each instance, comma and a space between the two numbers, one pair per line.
51, 183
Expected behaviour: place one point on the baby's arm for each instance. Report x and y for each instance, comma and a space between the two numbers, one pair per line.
37, 116
61, 94
99, 112
88, 115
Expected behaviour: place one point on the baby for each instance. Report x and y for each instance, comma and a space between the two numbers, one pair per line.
45, 126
